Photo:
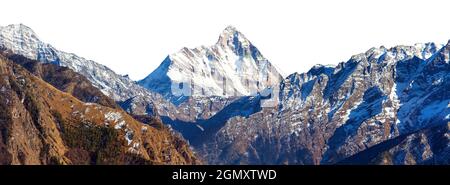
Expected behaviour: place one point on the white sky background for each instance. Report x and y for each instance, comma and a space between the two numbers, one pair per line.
134, 36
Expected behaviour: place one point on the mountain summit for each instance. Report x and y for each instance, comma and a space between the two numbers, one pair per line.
231, 67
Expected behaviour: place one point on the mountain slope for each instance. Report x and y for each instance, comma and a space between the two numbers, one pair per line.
231, 67
426, 146
63, 79
42, 125
21, 40
331, 113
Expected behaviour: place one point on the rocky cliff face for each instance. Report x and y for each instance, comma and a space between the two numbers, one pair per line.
42, 125
320, 117
331, 113
429, 146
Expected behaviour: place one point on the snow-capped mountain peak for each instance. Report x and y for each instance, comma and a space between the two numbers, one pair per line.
18, 30
232, 38
23, 40
231, 67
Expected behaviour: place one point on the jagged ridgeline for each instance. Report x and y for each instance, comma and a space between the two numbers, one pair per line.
383, 106
391, 105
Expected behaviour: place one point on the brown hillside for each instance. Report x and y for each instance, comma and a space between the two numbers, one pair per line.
40, 124
63, 79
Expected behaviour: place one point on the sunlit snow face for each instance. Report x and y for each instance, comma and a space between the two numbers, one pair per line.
23, 40
239, 78
232, 67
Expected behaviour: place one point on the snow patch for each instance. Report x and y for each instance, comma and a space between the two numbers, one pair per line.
438, 81
347, 113
129, 136
113, 116
119, 125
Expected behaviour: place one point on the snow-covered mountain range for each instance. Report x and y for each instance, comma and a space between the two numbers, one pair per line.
392, 103
330, 114
132, 97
